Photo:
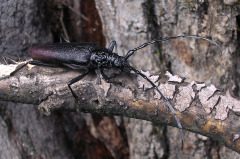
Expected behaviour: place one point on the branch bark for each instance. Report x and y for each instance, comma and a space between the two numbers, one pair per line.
201, 109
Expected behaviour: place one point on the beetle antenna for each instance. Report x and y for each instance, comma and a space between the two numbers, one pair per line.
4, 59
130, 52
163, 97
15, 62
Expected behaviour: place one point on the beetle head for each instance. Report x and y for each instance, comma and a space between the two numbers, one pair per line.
120, 62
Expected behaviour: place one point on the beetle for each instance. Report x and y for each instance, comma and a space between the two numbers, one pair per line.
90, 56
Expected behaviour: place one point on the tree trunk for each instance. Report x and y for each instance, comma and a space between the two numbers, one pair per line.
27, 133
132, 23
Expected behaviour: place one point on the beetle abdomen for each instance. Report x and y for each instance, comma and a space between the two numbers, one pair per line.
74, 53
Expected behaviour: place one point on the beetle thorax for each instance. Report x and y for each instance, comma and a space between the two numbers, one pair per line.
106, 59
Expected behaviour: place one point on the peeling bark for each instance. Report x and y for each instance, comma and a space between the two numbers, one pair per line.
130, 23
47, 87
25, 131
134, 22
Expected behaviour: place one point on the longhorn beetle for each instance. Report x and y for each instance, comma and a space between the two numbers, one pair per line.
90, 56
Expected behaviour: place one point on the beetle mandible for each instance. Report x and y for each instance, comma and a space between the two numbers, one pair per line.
91, 56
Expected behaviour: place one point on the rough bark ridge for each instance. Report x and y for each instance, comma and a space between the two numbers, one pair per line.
195, 101
131, 23
28, 134
25, 131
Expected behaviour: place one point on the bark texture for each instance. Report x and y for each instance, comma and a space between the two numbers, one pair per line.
132, 23
27, 133
47, 87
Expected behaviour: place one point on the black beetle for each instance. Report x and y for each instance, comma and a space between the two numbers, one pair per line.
90, 56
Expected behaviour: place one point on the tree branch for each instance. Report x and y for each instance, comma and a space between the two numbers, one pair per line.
201, 109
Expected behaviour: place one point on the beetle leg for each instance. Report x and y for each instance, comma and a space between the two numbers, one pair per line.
98, 76
76, 79
39, 63
115, 74
105, 77
111, 46
18, 68
63, 39
108, 79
